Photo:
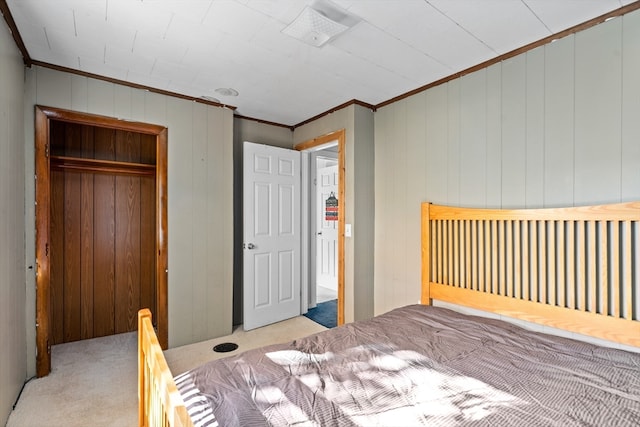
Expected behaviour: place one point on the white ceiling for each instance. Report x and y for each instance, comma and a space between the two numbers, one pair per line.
193, 47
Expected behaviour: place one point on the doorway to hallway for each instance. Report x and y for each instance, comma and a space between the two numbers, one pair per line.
324, 169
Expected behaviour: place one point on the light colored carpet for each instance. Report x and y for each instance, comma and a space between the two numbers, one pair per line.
94, 382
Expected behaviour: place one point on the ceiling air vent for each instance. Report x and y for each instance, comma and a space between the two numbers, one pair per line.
319, 23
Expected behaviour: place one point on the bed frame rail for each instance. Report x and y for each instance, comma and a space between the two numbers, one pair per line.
571, 268
159, 402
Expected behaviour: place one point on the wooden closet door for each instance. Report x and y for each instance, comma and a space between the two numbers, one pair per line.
102, 235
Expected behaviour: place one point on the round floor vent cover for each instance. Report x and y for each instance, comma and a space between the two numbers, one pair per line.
225, 347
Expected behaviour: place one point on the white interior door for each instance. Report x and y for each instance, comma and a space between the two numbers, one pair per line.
271, 195
327, 229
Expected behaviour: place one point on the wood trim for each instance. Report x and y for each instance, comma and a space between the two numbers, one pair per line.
42, 197
69, 116
334, 109
129, 84
316, 142
102, 166
580, 27
266, 122
13, 28
569, 31
162, 230
43, 117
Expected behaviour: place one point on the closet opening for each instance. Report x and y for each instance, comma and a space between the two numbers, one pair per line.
101, 227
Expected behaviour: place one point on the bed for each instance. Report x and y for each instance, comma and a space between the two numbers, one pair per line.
576, 269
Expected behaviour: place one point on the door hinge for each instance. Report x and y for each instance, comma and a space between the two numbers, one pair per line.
46, 249
46, 150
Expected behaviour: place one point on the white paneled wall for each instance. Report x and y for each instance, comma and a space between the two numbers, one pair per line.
200, 190
555, 126
630, 176
13, 368
598, 112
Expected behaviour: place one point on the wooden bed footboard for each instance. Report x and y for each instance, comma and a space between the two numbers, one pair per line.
576, 268
159, 402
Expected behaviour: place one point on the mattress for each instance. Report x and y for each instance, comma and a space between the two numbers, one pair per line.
419, 365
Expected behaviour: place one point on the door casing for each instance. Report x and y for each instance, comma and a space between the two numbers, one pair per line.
43, 116
315, 144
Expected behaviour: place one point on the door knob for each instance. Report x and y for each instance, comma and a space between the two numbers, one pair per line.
319, 233
251, 246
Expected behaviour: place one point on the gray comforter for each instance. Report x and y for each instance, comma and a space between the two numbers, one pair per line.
419, 365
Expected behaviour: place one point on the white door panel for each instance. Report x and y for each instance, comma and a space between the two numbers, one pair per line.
271, 194
327, 234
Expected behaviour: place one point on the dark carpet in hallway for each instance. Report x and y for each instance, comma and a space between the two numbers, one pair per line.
325, 313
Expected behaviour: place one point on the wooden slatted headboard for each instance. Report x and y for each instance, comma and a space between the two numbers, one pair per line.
576, 268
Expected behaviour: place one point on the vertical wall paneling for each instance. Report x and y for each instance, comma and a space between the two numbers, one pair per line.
200, 214
559, 122
436, 144
221, 272
105, 237
472, 136
400, 179
219, 186
453, 142
493, 155
560, 128
72, 238
513, 131
137, 106
79, 93
57, 246
218, 273
598, 101
86, 237
363, 202
122, 101
415, 185
102, 234
383, 152
156, 109
127, 221
185, 240
29, 93
13, 356
57, 92
71, 260
630, 176
100, 97
534, 128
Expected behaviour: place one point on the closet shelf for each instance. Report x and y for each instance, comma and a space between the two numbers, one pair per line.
77, 164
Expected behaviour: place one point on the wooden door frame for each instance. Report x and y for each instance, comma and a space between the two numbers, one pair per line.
43, 117
339, 136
